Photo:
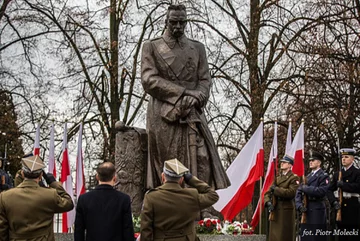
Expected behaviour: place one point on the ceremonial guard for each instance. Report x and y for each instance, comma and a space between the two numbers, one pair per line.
282, 227
344, 194
314, 191
169, 211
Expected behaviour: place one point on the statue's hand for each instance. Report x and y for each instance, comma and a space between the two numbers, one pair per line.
200, 96
188, 102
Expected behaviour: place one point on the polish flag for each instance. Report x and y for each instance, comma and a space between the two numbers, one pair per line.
243, 172
297, 151
69, 217
288, 139
269, 178
37, 141
52, 165
80, 178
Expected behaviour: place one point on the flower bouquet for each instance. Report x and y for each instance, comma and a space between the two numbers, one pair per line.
232, 228
136, 224
209, 226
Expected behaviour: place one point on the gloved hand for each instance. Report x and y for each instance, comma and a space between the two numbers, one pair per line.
270, 206
302, 188
336, 205
272, 188
302, 209
187, 177
49, 178
340, 184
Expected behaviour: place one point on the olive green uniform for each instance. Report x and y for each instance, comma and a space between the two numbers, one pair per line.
169, 211
282, 228
27, 211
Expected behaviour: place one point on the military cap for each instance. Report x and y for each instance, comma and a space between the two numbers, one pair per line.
288, 159
174, 168
316, 156
32, 164
348, 151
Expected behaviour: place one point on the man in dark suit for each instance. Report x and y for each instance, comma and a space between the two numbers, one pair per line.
27, 211
349, 226
282, 228
169, 211
315, 191
104, 214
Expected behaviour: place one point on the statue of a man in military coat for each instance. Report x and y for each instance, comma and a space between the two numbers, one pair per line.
175, 73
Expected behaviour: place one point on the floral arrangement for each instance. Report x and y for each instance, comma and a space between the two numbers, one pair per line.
209, 226
136, 224
237, 228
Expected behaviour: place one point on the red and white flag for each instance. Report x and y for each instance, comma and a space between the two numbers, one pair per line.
297, 151
37, 141
52, 165
269, 178
80, 178
243, 172
66, 179
288, 139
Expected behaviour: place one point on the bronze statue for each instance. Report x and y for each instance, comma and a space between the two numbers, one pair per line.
175, 73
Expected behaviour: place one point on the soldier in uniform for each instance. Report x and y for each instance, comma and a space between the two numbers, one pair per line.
350, 186
169, 211
282, 228
27, 211
175, 73
315, 190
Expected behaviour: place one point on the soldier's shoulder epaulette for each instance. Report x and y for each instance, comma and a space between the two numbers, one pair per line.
295, 175
325, 174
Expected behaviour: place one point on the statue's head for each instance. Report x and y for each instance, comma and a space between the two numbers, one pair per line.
176, 20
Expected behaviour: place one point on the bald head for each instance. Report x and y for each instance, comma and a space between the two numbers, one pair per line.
106, 171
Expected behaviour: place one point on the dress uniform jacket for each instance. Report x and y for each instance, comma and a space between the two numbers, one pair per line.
350, 208
168, 68
316, 189
169, 211
27, 211
104, 214
282, 228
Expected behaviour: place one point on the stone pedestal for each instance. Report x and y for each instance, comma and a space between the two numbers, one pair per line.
70, 237
130, 164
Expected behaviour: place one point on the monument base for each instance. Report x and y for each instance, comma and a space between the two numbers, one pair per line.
203, 237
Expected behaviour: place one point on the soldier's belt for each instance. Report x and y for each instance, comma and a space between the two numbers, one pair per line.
346, 194
159, 234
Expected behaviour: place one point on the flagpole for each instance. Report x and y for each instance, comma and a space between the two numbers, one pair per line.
260, 205
260, 189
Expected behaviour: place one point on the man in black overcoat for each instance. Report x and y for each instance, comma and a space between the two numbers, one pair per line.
315, 190
104, 214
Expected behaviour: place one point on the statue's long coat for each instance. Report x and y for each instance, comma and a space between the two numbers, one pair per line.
168, 68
